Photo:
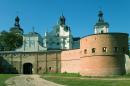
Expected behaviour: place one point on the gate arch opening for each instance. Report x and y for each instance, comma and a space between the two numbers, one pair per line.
27, 68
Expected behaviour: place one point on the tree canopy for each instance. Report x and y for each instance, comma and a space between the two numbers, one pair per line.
10, 41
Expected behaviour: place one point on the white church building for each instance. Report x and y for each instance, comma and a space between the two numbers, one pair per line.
60, 38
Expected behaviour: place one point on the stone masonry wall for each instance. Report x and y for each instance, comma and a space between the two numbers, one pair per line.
12, 62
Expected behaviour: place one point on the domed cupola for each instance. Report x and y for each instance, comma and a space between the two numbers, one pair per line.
101, 26
17, 29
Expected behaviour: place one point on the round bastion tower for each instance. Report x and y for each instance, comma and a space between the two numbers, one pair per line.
103, 53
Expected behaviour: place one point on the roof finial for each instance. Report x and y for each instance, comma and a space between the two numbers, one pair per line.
62, 20
62, 14
17, 22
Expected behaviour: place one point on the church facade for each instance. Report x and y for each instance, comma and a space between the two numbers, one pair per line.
99, 54
60, 38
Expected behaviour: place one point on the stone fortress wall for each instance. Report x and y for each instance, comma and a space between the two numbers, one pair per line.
104, 54
99, 55
30, 62
42, 62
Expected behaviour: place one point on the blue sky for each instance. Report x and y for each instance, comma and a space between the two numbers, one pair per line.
81, 15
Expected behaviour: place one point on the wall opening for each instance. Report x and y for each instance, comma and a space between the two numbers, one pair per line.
27, 68
50, 68
85, 51
123, 50
104, 49
93, 50
102, 31
115, 49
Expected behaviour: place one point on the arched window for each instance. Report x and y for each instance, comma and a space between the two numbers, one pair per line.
93, 50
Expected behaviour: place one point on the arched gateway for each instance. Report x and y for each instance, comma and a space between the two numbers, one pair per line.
27, 68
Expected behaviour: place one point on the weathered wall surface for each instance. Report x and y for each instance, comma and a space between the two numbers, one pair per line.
70, 61
12, 62
103, 54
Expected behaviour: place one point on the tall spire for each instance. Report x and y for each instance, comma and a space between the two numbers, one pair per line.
17, 22
100, 15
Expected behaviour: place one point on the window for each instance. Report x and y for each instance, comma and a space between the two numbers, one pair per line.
104, 49
93, 50
85, 51
115, 49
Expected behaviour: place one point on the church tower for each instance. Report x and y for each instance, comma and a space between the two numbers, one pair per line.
60, 37
64, 34
101, 26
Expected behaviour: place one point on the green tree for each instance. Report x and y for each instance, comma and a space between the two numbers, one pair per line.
10, 41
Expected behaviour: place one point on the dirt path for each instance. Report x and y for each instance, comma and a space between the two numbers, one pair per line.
29, 80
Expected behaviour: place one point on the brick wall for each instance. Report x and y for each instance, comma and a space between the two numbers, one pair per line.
70, 61
103, 54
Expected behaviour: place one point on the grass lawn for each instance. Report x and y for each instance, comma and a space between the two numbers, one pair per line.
4, 77
85, 81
